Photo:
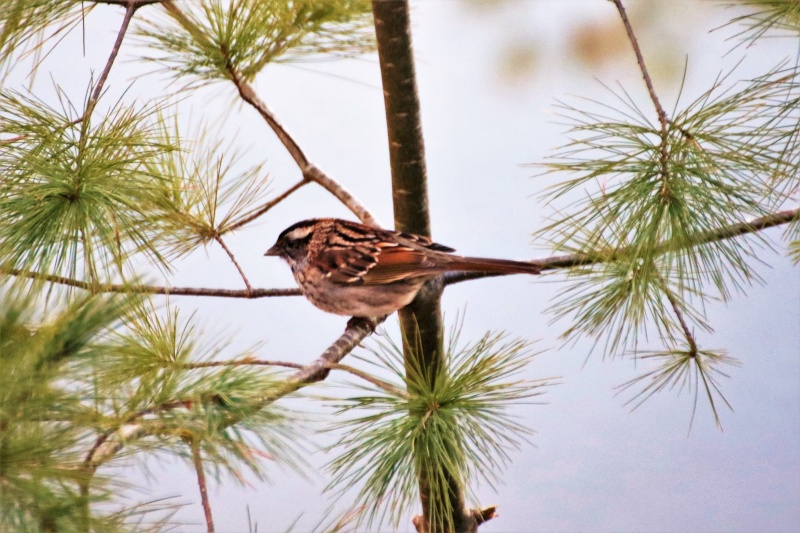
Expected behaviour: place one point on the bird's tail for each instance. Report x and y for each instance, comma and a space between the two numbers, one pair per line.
497, 266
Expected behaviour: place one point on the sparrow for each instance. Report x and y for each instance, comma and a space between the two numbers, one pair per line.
351, 269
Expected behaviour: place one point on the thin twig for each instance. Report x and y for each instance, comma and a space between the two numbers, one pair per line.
384, 385
357, 330
267, 206
201, 483
310, 171
662, 115
676, 308
150, 289
247, 361
130, 9
218, 238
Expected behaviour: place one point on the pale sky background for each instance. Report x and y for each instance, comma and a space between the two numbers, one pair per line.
486, 113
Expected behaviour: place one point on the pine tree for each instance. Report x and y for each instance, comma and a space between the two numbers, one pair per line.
658, 212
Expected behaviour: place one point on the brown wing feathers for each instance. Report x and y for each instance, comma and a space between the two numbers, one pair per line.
374, 256
395, 263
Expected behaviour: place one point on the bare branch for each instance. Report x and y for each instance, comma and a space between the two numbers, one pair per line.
150, 289
687, 333
357, 330
201, 483
267, 206
386, 386
235, 263
247, 361
130, 9
662, 115
310, 171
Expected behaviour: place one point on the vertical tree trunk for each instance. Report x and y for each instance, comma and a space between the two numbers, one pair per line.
421, 321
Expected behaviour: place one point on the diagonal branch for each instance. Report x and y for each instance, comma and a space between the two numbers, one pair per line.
235, 262
310, 171
130, 9
383, 385
257, 212
250, 361
676, 308
662, 115
356, 331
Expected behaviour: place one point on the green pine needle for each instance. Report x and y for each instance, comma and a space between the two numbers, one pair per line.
446, 431
683, 370
206, 39
768, 17
28, 24
643, 203
204, 192
148, 378
45, 422
76, 200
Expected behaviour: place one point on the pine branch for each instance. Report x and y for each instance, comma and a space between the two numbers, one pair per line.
310, 171
267, 206
559, 262
662, 115
111, 443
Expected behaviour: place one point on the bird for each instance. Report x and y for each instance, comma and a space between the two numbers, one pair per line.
352, 269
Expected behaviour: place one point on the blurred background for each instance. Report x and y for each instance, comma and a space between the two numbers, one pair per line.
489, 74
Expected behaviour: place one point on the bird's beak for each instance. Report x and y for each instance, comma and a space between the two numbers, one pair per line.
274, 251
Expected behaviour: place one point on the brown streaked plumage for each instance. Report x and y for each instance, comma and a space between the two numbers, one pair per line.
351, 269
